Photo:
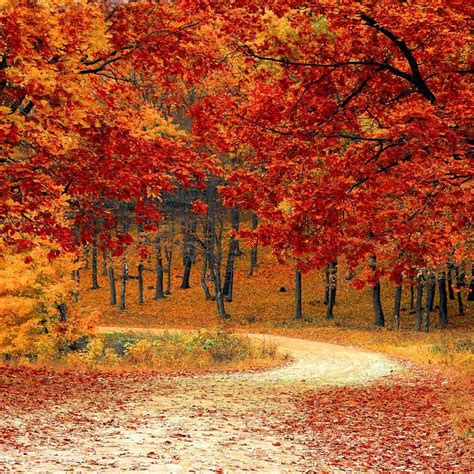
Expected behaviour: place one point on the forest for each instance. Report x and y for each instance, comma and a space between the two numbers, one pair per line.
236, 236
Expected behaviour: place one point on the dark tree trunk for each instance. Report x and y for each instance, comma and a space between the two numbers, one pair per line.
231, 255
204, 285
216, 264
376, 300
254, 250
443, 300
460, 284
62, 308
87, 254
328, 284
450, 282
398, 303
123, 286
140, 283
470, 295
159, 292
95, 281
331, 288
430, 292
377, 303
412, 298
169, 260
188, 262
298, 295
113, 291
419, 303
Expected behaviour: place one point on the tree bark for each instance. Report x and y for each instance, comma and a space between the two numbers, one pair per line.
470, 295
123, 286
419, 303
376, 299
204, 285
450, 282
113, 291
298, 295
169, 259
328, 283
331, 288
398, 303
412, 298
140, 283
104, 263
62, 308
159, 292
430, 291
460, 283
443, 301
254, 250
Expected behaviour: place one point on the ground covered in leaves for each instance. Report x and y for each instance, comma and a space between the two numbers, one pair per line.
298, 418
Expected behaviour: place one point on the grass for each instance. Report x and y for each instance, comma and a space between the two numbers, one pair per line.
167, 353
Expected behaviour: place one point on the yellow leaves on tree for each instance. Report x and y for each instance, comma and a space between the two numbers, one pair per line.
32, 288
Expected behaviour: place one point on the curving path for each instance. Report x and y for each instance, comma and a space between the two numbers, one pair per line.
211, 423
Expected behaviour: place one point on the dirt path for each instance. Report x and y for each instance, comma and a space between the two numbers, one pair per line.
212, 423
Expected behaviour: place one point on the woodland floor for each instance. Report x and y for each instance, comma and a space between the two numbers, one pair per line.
332, 408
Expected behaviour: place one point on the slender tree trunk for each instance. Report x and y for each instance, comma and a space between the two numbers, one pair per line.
398, 303
443, 300
430, 292
298, 295
169, 259
140, 283
231, 255
254, 250
328, 284
216, 265
470, 295
62, 308
460, 283
376, 299
87, 254
412, 298
204, 285
123, 286
159, 292
450, 282
113, 291
331, 288
95, 281
419, 303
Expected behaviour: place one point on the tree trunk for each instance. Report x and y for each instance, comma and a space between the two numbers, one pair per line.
398, 303
123, 286
443, 301
216, 265
470, 295
231, 255
95, 281
140, 283
204, 285
169, 259
113, 291
254, 250
419, 303
460, 283
159, 292
376, 300
450, 282
298, 295
331, 288
430, 292
412, 298
62, 308
328, 284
